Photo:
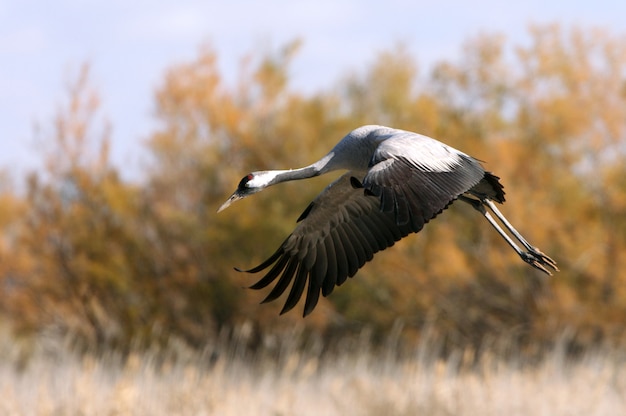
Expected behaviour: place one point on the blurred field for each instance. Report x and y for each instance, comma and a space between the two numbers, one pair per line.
356, 382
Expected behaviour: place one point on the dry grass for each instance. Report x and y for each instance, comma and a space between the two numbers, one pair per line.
183, 382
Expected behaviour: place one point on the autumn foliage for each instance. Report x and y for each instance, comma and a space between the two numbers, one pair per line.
115, 262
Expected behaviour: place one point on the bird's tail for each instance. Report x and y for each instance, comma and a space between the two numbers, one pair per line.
489, 187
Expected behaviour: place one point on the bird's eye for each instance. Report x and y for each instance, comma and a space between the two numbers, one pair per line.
245, 179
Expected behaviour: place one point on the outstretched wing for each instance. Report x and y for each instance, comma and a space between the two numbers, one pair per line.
416, 177
337, 234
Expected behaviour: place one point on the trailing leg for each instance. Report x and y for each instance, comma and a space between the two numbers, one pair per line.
532, 255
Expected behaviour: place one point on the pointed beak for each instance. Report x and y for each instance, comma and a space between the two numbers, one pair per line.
234, 197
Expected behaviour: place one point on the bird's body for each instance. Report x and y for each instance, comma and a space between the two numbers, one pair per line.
396, 182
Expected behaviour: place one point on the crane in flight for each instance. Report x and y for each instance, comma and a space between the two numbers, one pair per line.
396, 182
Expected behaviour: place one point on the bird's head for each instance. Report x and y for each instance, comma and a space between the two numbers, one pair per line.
250, 184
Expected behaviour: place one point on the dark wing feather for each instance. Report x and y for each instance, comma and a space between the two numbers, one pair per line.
338, 233
296, 289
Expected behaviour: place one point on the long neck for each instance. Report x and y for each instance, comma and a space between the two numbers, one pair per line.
320, 167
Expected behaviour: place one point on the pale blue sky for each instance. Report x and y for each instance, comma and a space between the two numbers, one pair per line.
131, 44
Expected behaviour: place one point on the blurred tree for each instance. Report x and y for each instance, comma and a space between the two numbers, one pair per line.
83, 230
572, 106
14, 262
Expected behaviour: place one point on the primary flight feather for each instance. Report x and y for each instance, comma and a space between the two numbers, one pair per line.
396, 182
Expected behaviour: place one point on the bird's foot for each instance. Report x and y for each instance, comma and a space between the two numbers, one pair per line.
540, 261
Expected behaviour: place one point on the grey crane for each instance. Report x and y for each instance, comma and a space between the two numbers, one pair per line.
396, 182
